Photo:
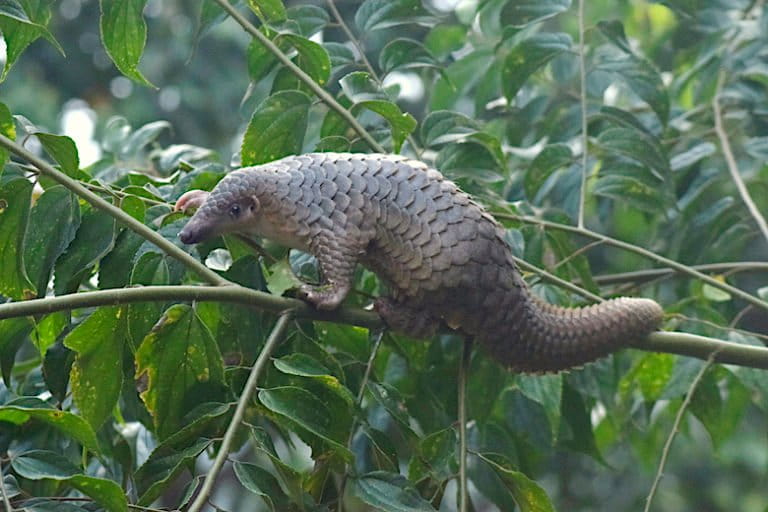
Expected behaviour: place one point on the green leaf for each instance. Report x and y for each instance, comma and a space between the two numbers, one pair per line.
94, 238
281, 278
444, 126
312, 58
261, 482
365, 93
469, 160
13, 332
405, 53
691, 156
528, 56
124, 33
15, 197
63, 150
546, 390
304, 365
651, 373
444, 39
613, 30
643, 78
7, 128
183, 365
551, 158
306, 410
41, 464
22, 410
340, 55
310, 18
637, 146
21, 23
268, 10
260, 60
530, 497
378, 14
435, 457
151, 268
519, 13
276, 129
390, 492
162, 467
53, 222
97, 375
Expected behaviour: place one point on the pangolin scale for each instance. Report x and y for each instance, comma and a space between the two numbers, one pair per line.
442, 256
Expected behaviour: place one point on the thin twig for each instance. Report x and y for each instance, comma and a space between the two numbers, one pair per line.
675, 427
250, 387
6, 499
466, 355
366, 63
583, 99
301, 75
546, 276
684, 269
733, 167
359, 400
653, 273
119, 215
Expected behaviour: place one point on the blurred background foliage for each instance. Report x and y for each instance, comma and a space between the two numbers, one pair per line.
494, 89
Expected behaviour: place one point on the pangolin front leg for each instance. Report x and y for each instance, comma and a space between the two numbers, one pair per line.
337, 255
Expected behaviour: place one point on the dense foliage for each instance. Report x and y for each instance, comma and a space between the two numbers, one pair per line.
117, 393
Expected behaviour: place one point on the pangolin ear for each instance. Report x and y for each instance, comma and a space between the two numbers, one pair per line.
255, 205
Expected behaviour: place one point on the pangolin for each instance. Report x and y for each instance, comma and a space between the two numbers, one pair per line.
443, 257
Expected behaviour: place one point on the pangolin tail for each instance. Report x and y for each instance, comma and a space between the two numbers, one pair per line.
553, 338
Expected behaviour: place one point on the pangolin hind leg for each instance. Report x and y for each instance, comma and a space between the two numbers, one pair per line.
337, 257
407, 319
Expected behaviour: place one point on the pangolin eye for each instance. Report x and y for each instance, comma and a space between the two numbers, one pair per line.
234, 211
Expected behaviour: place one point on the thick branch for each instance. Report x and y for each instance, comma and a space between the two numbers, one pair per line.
233, 294
301, 75
119, 215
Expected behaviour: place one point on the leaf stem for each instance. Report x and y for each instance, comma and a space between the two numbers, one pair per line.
6, 499
466, 355
583, 100
301, 75
730, 160
123, 218
679, 267
250, 387
675, 428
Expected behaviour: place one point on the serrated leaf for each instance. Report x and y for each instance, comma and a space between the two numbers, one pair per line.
276, 129
529, 496
306, 410
63, 150
22, 410
260, 61
54, 220
124, 34
162, 467
15, 197
613, 30
21, 23
405, 53
364, 92
42, 464
528, 56
546, 390
94, 238
97, 376
519, 13
311, 19
261, 482
7, 128
642, 78
312, 58
637, 146
378, 14
183, 365
268, 10
390, 492
551, 158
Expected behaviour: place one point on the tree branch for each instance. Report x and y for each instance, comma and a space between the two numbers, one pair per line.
679, 267
301, 75
654, 273
583, 100
123, 218
730, 160
245, 397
